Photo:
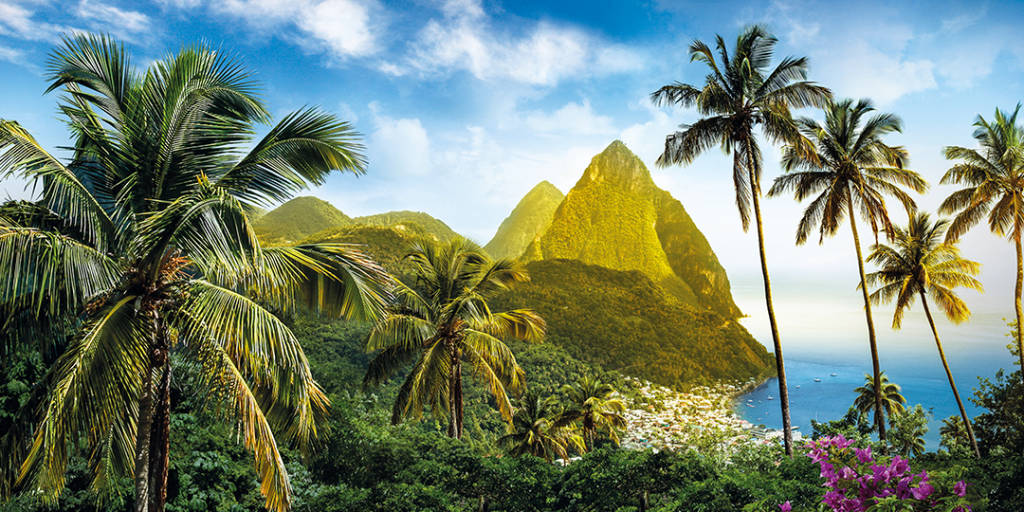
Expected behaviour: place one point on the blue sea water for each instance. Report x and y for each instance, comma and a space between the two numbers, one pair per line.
821, 341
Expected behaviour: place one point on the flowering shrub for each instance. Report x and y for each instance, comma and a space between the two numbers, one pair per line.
857, 481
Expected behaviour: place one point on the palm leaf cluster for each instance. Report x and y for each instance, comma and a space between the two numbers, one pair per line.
536, 430
920, 264
541, 427
992, 176
443, 321
139, 246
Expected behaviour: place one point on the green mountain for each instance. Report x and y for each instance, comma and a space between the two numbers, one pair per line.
530, 218
387, 245
297, 219
622, 320
414, 220
616, 217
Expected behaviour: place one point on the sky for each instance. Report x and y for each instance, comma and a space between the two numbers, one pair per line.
466, 104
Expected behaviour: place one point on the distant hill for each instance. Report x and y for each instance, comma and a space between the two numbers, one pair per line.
297, 219
616, 217
386, 244
530, 218
622, 320
417, 220
305, 216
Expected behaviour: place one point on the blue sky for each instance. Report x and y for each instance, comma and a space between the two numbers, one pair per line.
465, 105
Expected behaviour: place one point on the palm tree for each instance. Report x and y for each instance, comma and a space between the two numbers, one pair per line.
739, 95
993, 176
535, 431
891, 397
908, 430
444, 320
593, 405
139, 245
849, 169
920, 264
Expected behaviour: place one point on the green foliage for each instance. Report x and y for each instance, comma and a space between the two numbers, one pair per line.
1000, 429
297, 219
419, 222
529, 219
625, 322
908, 428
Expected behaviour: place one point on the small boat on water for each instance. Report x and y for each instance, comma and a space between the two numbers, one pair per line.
833, 374
817, 380
771, 398
750, 405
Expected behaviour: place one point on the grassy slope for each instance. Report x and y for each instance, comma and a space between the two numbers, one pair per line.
297, 219
623, 321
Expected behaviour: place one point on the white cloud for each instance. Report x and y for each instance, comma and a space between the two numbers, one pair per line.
858, 69
10, 55
340, 28
399, 147
466, 39
122, 23
19, 22
578, 118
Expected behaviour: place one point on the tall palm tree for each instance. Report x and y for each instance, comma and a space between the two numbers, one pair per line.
593, 405
891, 397
920, 264
742, 93
139, 245
849, 169
442, 321
993, 175
535, 431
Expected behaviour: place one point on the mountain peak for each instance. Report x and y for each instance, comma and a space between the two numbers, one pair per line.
618, 165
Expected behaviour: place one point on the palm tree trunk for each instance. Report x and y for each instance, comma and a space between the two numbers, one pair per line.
458, 398
872, 340
143, 432
1016, 302
949, 375
160, 441
780, 367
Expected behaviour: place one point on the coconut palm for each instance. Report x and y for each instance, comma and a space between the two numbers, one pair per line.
993, 176
891, 397
908, 430
920, 264
442, 321
535, 431
593, 405
139, 246
848, 169
742, 93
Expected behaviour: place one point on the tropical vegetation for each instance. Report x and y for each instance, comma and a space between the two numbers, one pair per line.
993, 179
139, 259
741, 93
849, 169
441, 321
921, 265
169, 344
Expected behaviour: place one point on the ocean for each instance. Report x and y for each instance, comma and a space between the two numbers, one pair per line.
826, 339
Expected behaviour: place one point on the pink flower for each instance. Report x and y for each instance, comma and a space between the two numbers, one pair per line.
863, 455
922, 491
960, 488
785, 507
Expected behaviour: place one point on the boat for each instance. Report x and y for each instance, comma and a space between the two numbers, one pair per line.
833, 374
771, 398
817, 380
